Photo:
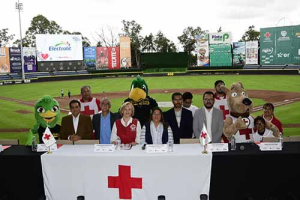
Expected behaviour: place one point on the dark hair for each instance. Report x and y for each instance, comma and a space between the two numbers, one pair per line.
187, 95
176, 94
259, 118
74, 101
165, 125
208, 92
219, 81
268, 105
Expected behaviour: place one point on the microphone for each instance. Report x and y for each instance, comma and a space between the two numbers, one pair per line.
144, 146
161, 197
80, 198
203, 197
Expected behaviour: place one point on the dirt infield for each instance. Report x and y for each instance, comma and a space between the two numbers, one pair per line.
278, 98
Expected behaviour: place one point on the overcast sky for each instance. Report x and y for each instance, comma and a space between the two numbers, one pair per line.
171, 17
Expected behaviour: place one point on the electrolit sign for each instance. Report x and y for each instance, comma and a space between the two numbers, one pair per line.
220, 38
59, 47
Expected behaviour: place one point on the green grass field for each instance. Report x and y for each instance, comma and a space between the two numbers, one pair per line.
10, 119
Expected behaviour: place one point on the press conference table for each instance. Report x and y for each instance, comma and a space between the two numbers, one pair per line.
234, 175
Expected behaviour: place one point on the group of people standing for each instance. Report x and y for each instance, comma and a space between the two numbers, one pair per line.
92, 119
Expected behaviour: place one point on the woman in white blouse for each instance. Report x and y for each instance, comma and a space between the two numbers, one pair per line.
156, 131
262, 131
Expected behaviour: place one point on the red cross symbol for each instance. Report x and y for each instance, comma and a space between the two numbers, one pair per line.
225, 112
267, 34
203, 135
47, 137
246, 132
87, 111
124, 182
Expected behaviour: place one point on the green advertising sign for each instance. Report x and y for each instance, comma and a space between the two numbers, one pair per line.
296, 45
220, 55
267, 46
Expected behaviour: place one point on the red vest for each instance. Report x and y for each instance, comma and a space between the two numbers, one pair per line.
126, 134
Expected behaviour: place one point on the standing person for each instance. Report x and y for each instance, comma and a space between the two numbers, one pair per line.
62, 93
76, 127
179, 119
262, 131
221, 99
187, 98
157, 131
69, 94
128, 129
269, 116
103, 122
211, 117
89, 105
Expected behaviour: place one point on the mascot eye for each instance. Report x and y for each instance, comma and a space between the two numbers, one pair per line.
234, 94
40, 110
54, 109
244, 93
144, 87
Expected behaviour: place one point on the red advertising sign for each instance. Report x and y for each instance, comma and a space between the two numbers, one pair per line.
102, 58
113, 57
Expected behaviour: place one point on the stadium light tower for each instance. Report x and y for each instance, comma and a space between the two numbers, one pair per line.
19, 7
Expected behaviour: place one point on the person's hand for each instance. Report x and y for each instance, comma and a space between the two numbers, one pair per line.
133, 143
75, 138
114, 142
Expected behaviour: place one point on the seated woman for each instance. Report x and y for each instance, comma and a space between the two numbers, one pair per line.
262, 131
269, 116
156, 131
128, 129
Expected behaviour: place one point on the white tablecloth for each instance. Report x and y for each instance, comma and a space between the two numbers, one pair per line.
75, 170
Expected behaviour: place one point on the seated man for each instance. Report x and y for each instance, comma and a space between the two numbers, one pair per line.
76, 126
211, 117
262, 131
103, 122
269, 116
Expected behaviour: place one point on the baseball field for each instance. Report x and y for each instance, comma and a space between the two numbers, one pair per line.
17, 101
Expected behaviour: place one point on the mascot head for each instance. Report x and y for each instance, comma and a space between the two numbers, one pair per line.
238, 101
47, 111
138, 89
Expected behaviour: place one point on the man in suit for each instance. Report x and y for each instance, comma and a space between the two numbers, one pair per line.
76, 126
179, 119
103, 122
211, 117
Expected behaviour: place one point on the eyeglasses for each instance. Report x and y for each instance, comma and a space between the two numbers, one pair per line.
208, 99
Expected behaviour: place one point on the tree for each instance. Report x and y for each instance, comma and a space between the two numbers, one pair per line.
148, 44
108, 37
188, 38
5, 38
133, 30
163, 44
251, 34
40, 25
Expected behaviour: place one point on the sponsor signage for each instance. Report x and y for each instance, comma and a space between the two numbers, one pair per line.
4, 60
15, 60
59, 47
220, 55
102, 58
220, 38
252, 52
90, 57
125, 52
239, 53
29, 59
113, 58
202, 50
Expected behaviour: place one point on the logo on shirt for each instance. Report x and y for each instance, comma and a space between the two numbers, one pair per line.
246, 121
132, 127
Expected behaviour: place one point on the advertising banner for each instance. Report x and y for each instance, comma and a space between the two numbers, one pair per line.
90, 57
102, 58
113, 58
284, 45
220, 55
4, 60
202, 50
220, 38
59, 47
125, 52
239, 51
29, 59
267, 46
296, 45
252, 52
15, 60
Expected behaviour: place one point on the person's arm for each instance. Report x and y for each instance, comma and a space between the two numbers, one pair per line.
63, 135
196, 127
138, 133
220, 126
98, 104
89, 129
190, 124
113, 136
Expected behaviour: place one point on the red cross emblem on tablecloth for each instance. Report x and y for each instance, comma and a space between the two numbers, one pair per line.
47, 137
225, 112
87, 111
124, 182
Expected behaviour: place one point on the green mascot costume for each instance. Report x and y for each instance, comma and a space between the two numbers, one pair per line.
143, 104
47, 113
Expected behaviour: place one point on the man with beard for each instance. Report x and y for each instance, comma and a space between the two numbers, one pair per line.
179, 119
211, 117
220, 99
